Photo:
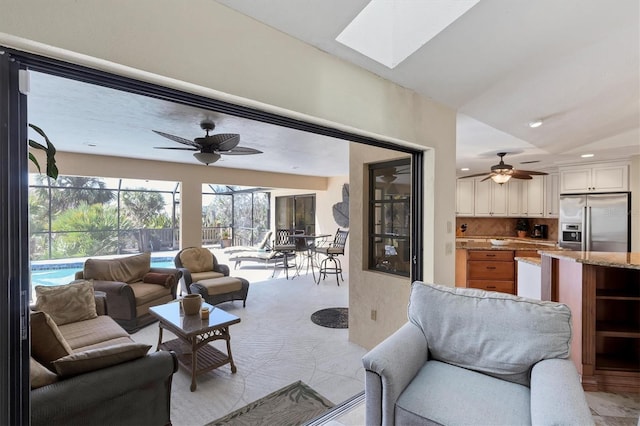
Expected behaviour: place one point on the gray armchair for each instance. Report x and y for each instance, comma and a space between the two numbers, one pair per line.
473, 357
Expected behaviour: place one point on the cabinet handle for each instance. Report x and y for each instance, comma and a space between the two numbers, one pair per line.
491, 286
490, 255
491, 267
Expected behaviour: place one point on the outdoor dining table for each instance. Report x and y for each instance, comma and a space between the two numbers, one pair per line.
307, 252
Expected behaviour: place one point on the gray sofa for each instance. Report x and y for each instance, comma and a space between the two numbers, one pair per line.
473, 357
136, 391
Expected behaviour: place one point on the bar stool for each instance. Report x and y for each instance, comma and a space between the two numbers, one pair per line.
332, 251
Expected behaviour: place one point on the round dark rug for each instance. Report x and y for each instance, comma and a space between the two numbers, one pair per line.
331, 317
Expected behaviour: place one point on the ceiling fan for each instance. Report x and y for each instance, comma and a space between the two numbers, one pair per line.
501, 172
210, 147
390, 174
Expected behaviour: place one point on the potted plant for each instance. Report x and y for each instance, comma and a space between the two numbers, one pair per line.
49, 149
226, 239
522, 227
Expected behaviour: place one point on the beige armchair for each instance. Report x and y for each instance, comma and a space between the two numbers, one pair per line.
132, 286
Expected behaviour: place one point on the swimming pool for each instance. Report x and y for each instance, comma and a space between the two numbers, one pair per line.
63, 274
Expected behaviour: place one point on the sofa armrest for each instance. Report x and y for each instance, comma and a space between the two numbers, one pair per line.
556, 394
389, 368
110, 395
121, 302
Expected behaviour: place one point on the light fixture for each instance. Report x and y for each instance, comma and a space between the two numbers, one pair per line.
587, 155
501, 178
535, 123
207, 157
464, 169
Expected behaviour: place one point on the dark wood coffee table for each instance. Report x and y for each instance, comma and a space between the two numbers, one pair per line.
194, 335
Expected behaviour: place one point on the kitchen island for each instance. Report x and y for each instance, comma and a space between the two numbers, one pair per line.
603, 291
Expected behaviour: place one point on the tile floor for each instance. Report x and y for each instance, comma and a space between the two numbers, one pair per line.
276, 344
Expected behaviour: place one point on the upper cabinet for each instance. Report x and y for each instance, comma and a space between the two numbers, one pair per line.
490, 198
465, 197
605, 177
552, 195
526, 197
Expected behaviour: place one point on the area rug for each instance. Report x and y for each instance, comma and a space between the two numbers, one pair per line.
295, 404
331, 317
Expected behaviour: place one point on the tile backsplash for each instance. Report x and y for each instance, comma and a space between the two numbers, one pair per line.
501, 226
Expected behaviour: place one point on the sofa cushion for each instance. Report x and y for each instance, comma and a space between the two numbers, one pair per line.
487, 400
95, 359
196, 259
221, 285
125, 269
495, 333
39, 375
145, 293
47, 341
67, 303
96, 331
166, 280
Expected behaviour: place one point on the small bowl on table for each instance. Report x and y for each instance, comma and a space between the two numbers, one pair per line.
499, 242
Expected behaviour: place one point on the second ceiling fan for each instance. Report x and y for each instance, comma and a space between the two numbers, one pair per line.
501, 172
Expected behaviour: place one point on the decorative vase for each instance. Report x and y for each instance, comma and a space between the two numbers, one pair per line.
191, 304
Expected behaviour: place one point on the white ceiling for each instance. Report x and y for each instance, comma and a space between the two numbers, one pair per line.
573, 63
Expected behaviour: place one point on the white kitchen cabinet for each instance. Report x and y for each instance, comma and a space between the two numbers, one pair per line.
465, 197
605, 177
526, 197
490, 198
552, 195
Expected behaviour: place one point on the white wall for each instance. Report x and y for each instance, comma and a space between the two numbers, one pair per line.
206, 48
634, 180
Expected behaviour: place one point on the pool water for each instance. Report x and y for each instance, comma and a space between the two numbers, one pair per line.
65, 275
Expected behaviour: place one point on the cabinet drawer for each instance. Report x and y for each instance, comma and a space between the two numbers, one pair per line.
489, 285
488, 270
503, 255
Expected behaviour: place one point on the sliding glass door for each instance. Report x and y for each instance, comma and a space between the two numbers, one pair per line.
296, 212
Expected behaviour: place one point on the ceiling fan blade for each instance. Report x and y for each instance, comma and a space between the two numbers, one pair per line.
175, 147
529, 172
226, 141
521, 176
176, 138
488, 177
241, 150
476, 175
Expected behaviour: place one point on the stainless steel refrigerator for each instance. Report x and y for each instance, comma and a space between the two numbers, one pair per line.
596, 222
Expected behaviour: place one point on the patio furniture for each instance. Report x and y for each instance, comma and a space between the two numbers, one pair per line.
194, 335
260, 256
132, 286
332, 251
202, 274
285, 246
262, 245
467, 356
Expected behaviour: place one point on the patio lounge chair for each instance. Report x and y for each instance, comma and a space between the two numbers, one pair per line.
260, 256
262, 245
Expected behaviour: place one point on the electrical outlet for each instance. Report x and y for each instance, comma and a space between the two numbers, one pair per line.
374, 314
449, 227
448, 248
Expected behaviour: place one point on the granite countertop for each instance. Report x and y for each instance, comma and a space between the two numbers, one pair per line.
535, 261
483, 243
599, 258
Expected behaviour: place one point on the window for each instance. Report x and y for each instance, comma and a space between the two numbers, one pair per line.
296, 212
79, 216
390, 217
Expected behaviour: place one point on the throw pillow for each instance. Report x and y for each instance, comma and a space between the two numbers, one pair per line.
95, 359
166, 280
39, 375
67, 303
128, 269
47, 343
495, 333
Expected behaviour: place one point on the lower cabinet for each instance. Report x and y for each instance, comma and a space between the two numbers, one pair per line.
491, 270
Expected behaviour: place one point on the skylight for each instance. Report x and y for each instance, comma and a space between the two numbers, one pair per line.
389, 31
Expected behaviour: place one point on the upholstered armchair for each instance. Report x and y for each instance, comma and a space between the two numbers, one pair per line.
468, 356
202, 274
132, 286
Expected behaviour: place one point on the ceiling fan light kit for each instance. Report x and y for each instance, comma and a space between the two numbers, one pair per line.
206, 157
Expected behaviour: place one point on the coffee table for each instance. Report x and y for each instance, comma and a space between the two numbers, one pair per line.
194, 335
